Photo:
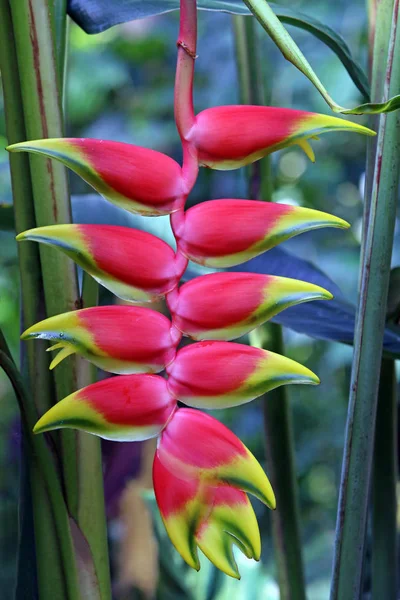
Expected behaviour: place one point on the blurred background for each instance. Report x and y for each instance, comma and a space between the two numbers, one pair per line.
120, 87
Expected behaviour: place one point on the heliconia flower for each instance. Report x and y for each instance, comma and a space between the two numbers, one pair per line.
137, 179
134, 265
224, 306
194, 445
212, 518
228, 137
119, 339
123, 408
224, 233
223, 374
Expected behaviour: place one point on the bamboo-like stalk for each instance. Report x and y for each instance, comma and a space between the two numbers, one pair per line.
276, 409
356, 471
34, 28
384, 483
34, 361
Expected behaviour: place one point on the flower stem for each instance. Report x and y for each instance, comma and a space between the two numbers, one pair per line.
277, 414
384, 482
375, 269
187, 45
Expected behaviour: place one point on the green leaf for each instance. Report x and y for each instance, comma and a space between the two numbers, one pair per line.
265, 15
104, 14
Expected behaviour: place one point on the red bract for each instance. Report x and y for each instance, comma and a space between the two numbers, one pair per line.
208, 516
223, 374
134, 265
195, 445
223, 233
138, 179
119, 339
124, 408
228, 137
224, 306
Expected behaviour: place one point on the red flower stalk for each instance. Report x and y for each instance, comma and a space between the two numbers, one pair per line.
202, 472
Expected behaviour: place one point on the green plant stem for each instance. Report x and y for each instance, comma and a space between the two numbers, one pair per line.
33, 497
356, 471
276, 409
34, 31
384, 482
50, 513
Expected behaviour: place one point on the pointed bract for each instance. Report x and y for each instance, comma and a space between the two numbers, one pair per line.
224, 306
223, 374
212, 518
118, 339
137, 179
228, 137
224, 233
124, 408
134, 265
195, 445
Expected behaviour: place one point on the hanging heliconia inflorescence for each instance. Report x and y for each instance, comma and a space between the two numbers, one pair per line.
202, 472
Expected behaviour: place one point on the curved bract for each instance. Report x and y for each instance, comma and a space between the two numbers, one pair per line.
118, 339
137, 179
228, 232
223, 374
229, 137
124, 408
212, 518
225, 306
134, 265
224, 459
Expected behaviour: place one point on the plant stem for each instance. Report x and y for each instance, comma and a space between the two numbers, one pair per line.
384, 482
41, 95
360, 431
33, 497
50, 513
276, 409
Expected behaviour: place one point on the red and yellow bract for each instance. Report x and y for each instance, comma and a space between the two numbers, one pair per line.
118, 339
225, 306
226, 232
224, 374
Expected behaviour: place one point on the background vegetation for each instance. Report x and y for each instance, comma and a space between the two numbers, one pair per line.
120, 86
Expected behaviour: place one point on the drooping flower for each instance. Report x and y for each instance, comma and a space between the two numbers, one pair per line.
137, 179
118, 339
123, 408
212, 518
224, 233
228, 137
223, 374
134, 265
224, 306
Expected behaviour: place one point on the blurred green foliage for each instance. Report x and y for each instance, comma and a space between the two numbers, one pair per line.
120, 86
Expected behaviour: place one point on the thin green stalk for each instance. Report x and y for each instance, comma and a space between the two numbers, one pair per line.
357, 461
276, 409
384, 482
39, 75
